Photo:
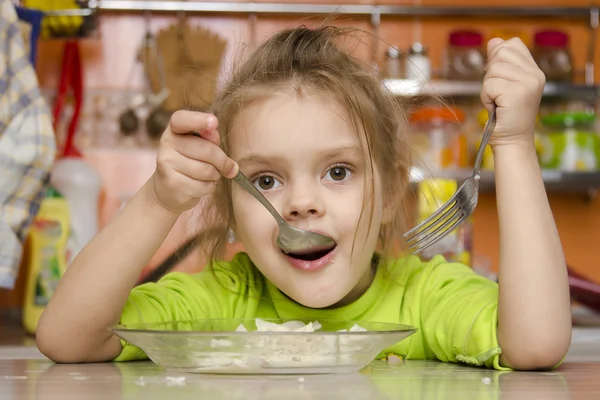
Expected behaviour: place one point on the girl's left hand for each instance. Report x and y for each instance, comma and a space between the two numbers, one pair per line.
514, 83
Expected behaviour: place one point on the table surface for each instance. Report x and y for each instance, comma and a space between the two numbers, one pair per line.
26, 374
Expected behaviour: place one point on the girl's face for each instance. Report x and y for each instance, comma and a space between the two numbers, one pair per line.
304, 156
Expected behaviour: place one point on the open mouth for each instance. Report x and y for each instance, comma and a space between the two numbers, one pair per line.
311, 254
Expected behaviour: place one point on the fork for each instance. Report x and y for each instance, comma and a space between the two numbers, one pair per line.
458, 208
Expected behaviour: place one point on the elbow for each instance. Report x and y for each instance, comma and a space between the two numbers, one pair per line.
61, 346
543, 355
55, 344
538, 347
50, 345
531, 361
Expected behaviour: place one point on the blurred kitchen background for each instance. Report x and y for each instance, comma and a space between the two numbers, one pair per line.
141, 60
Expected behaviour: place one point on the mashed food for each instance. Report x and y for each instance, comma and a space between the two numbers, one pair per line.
268, 351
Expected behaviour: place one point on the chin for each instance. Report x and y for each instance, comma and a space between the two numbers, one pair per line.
317, 300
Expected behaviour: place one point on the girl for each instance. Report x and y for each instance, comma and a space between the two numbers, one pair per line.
318, 135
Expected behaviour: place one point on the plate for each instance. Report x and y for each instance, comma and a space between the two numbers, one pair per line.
235, 346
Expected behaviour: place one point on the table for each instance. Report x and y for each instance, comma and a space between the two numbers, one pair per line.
25, 374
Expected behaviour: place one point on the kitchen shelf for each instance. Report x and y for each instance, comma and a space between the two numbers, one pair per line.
555, 181
342, 9
407, 87
590, 14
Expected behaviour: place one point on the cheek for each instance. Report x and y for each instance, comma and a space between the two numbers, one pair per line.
241, 213
367, 214
252, 222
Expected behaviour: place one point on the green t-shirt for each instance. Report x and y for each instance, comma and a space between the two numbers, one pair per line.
454, 309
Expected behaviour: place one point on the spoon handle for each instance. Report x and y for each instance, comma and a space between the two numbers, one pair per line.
245, 183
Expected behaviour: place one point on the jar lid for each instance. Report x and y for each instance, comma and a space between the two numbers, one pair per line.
551, 38
393, 52
417, 48
451, 114
466, 38
568, 119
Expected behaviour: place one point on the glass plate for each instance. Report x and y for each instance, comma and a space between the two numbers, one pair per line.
215, 347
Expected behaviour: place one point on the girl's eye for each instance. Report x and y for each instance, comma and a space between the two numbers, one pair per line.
338, 173
266, 182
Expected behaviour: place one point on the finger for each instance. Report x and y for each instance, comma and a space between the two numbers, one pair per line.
491, 91
184, 122
493, 43
514, 45
510, 55
506, 71
193, 188
199, 149
494, 93
197, 170
208, 134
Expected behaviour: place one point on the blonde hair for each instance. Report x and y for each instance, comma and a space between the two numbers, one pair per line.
302, 59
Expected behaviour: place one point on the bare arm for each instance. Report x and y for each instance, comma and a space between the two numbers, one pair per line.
534, 318
95, 287
534, 321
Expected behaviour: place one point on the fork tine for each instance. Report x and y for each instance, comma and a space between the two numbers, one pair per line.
443, 209
431, 223
441, 225
448, 204
442, 234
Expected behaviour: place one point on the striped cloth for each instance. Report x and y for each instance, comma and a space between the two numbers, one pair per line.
27, 144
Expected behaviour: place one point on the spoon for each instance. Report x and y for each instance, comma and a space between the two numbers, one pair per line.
291, 240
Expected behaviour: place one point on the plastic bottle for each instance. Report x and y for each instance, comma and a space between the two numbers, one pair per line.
47, 254
80, 184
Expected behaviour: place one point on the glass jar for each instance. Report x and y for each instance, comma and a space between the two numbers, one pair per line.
393, 63
438, 139
569, 142
552, 55
417, 63
465, 59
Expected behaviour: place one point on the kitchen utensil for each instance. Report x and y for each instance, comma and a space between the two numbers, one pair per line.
152, 59
192, 63
291, 240
217, 347
157, 121
128, 122
458, 208
71, 76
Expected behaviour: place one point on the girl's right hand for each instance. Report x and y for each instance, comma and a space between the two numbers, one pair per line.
188, 166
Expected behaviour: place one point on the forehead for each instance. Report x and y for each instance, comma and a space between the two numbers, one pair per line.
287, 121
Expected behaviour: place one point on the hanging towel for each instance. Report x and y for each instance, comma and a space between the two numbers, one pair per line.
27, 144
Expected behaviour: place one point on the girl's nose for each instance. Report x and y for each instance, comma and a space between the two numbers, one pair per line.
303, 202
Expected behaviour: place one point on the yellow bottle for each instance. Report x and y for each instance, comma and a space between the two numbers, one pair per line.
457, 245
47, 256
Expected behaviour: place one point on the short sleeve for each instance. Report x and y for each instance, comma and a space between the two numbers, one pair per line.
221, 292
459, 313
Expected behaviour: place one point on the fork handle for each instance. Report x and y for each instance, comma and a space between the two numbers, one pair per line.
487, 134
245, 183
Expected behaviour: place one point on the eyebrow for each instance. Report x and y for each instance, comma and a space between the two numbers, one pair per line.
347, 151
